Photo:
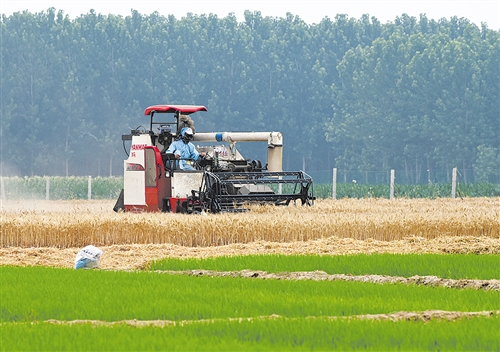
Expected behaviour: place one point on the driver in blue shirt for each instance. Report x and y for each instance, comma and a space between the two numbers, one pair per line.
184, 149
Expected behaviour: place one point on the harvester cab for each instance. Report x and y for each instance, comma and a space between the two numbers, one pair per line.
222, 181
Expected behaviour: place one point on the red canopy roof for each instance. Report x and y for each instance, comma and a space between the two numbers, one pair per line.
184, 109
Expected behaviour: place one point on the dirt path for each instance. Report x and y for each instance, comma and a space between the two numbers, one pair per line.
137, 256
397, 316
434, 281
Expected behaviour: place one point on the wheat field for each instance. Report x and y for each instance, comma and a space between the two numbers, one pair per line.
71, 224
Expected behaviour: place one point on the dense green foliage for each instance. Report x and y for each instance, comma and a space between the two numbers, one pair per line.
62, 188
65, 188
415, 95
456, 266
430, 191
38, 293
477, 334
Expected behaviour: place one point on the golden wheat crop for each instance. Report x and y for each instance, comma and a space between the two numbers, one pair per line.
75, 224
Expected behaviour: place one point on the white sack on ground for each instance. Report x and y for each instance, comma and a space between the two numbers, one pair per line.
88, 258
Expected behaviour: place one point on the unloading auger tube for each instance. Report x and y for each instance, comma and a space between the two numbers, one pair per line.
274, 143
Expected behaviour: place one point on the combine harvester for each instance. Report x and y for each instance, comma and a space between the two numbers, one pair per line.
222, 181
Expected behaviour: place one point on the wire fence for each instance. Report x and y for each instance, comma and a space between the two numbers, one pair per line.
86, 187
404, 177
60, 187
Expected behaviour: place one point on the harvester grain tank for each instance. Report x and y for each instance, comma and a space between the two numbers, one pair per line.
222, 181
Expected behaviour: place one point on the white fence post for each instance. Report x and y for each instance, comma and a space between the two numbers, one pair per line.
2, 186
334, 183
47, 188
391, 193
89, 192
454, 183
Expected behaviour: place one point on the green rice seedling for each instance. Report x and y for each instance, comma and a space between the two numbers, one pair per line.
277, 334
38, 293
456, 266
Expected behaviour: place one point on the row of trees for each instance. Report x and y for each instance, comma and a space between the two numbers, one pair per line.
413, 94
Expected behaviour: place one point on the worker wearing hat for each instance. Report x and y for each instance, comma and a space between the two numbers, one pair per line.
184, 149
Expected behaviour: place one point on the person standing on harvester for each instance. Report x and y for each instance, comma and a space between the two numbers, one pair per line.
184, 149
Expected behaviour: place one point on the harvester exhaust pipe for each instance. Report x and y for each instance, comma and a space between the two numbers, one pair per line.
274, 144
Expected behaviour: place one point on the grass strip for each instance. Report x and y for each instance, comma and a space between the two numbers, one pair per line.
450, 266
38, 293
264, 335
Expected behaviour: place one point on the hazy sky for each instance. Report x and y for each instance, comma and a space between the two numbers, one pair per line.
311, 11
